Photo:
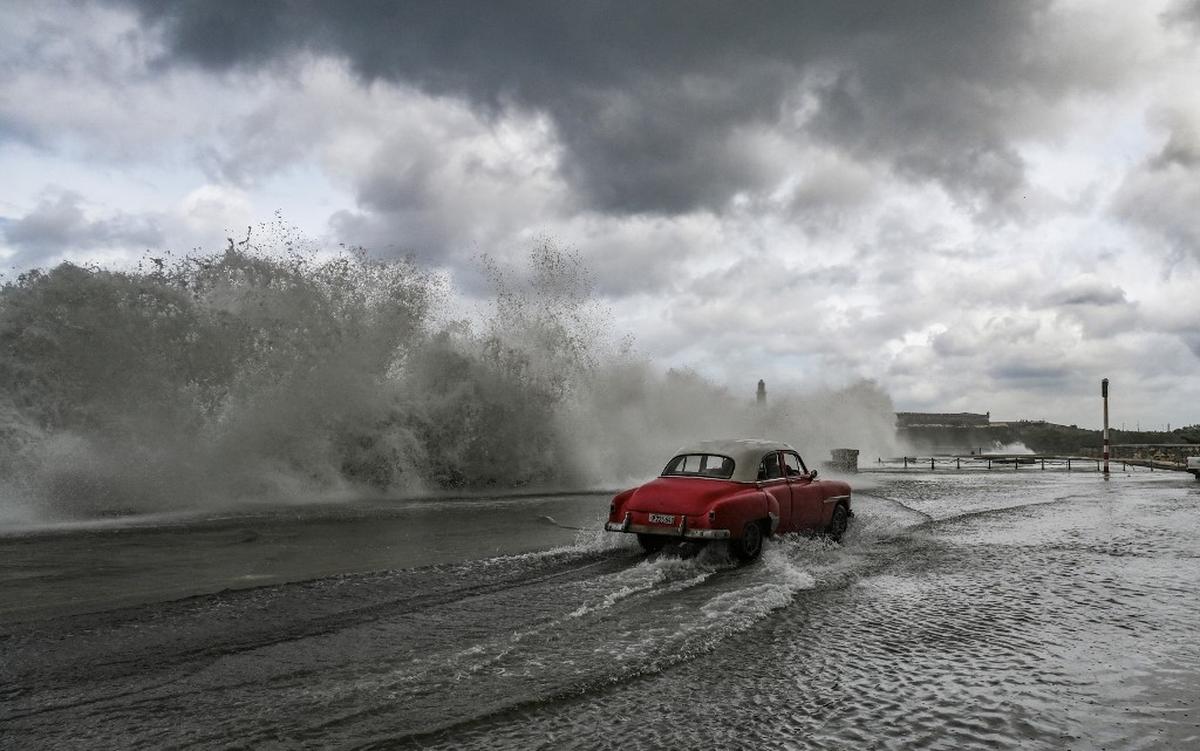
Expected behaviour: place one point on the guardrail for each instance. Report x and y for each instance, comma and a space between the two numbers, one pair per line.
1018, 462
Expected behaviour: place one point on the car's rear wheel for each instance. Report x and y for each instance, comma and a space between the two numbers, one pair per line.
750, 544
651, 543
839, 522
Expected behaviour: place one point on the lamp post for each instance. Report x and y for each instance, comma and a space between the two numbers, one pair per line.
1104, 394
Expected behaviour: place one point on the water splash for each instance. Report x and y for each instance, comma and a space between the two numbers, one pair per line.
268, 374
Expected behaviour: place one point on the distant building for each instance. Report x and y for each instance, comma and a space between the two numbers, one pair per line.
761, 396
942, 420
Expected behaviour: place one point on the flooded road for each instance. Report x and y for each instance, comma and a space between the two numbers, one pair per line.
1039, 610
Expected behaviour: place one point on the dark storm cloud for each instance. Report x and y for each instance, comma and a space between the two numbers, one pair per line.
1031, 371
58, 225
1100, 309
1161, 194
652, 100
1184, 13
1192, 340
1088, 293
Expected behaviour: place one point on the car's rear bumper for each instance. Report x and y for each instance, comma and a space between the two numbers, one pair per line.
657, 529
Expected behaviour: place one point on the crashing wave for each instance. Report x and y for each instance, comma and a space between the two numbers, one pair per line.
252, 375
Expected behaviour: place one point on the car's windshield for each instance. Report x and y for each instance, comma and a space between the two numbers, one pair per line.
700, 465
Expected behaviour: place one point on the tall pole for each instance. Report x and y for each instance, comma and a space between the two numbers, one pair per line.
1104, 394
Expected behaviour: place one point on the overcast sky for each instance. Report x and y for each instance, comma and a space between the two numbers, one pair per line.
983, 206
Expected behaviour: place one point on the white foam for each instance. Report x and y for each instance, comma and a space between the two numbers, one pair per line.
745, 606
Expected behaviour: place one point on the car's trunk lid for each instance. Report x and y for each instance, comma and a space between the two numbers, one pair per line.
680, 495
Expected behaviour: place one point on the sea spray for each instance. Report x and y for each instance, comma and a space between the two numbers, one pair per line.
236, 375
278, 374
629, 418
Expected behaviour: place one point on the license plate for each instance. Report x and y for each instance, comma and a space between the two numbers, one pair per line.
662, 519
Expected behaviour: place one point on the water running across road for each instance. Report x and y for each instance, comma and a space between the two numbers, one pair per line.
1041, 611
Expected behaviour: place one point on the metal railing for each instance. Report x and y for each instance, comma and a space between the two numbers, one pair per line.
1016, 462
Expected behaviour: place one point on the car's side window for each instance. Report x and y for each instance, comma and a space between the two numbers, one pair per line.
791, 465
769, 468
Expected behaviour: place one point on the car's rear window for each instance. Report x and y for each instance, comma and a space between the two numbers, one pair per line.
700, 465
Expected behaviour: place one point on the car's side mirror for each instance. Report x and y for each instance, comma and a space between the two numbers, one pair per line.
814, 474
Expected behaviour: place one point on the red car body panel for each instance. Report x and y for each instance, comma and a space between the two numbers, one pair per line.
681, 495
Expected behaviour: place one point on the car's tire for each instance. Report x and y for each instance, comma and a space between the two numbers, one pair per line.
749, 546
651, 543
838, 522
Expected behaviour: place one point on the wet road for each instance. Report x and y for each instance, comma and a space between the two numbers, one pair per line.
1041, 610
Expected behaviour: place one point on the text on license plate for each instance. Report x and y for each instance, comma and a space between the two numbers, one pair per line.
662, 519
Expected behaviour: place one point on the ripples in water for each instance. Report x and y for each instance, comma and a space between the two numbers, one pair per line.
1049, 613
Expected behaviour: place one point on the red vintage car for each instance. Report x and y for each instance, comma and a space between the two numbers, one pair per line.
742, 491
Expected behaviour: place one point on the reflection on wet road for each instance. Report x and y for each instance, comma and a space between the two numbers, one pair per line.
1042, 611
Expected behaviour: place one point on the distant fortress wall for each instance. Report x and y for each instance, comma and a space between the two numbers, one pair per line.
971, 432
950, 432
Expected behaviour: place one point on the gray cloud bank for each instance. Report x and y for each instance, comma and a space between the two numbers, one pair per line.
59, 222
970, 202
654, 102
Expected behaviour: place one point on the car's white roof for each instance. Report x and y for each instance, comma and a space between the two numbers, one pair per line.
746, 453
